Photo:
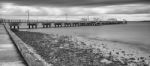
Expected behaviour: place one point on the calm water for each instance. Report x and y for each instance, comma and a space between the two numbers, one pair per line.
134, 33
9, 55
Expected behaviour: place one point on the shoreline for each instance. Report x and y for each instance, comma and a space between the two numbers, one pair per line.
141, 46
115, 45
119, 52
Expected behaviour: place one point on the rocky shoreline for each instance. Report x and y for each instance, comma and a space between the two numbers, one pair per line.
76, 51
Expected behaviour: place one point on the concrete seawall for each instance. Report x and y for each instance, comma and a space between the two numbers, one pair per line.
26, 51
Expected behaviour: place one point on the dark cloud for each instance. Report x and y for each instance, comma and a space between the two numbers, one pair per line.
73, 2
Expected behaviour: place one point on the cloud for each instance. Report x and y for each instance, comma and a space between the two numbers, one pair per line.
13, 9
130, 9
68, 3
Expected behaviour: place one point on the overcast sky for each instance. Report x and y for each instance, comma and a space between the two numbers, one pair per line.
124, 8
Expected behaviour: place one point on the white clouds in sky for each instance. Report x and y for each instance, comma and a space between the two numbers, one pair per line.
117, 11
12, 9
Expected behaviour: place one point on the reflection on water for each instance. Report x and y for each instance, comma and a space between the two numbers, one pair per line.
5, 43
9, 55
18, 63
7, 46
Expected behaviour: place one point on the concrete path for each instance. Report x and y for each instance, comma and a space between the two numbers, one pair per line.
8, 54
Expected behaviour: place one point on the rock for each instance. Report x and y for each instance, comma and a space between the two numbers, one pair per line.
132, 64
106, 61
147, 62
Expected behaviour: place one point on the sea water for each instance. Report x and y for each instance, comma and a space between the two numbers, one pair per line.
134, 33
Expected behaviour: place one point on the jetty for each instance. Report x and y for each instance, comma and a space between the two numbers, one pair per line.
15, 23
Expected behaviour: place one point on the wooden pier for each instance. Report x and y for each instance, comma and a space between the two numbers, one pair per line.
14, 25
33, 24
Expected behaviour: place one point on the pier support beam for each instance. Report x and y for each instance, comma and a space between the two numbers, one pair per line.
32, 25
14, 25
46, 25
57, 24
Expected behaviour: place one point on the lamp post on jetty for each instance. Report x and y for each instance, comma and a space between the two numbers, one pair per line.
28, 16
30, 25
